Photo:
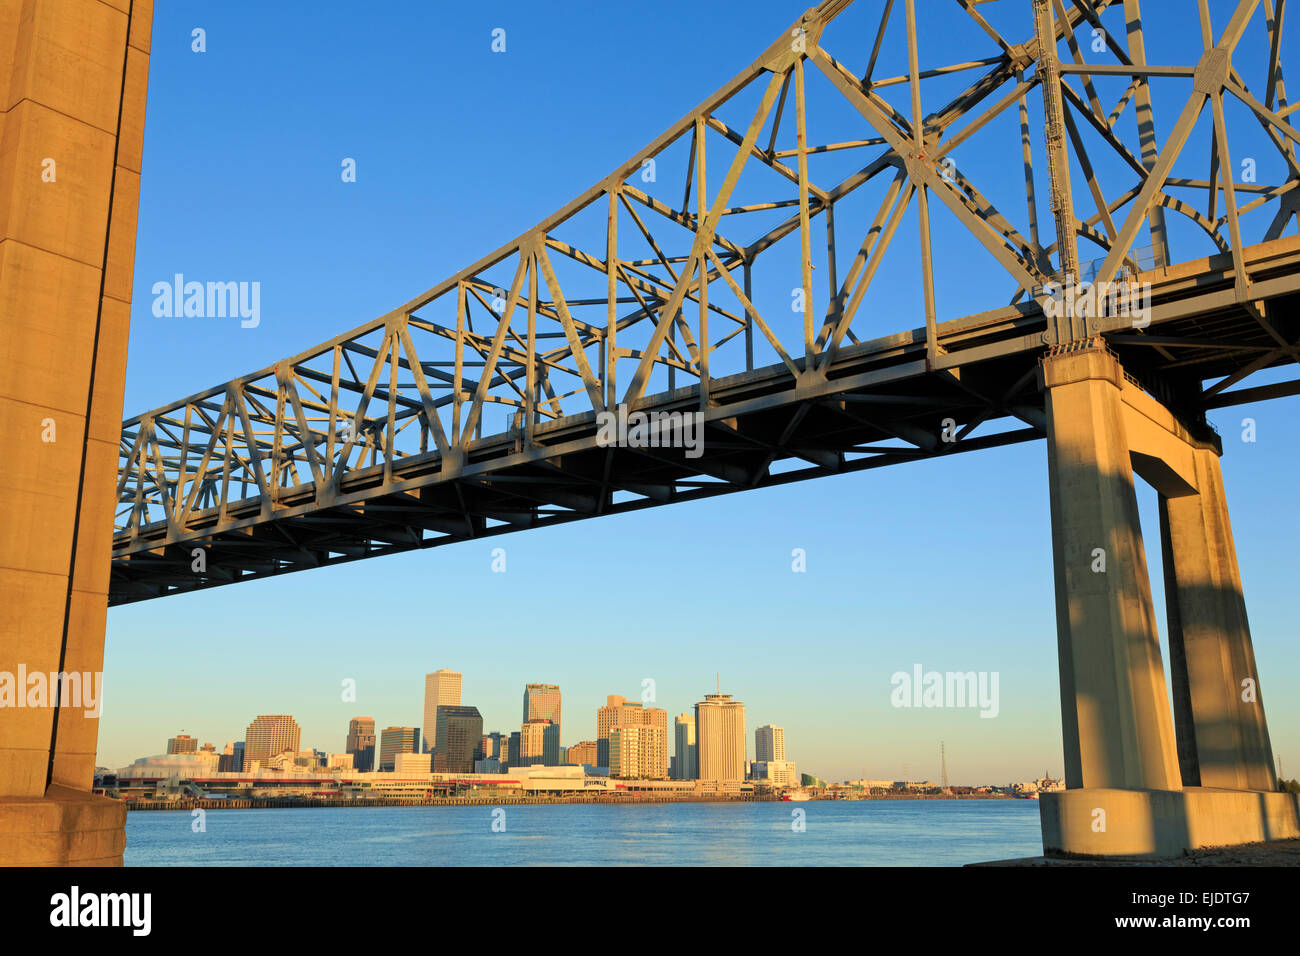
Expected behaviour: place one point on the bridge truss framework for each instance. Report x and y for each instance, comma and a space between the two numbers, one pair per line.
375, 442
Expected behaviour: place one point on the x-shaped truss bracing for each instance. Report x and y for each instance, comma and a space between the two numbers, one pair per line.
642, 291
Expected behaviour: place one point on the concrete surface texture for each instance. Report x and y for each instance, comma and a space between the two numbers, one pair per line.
73, 77
1134, 786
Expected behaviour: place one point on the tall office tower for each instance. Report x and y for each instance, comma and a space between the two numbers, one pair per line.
607, 718
620, 712
583, 753
512, 750
440, 687
638, 752
542, 701
182, 744
495, 746
769, 743
394, 741
720, 738
539, 742
237, 762
687, 760
361, 743
460, 735
226, 760
268, 735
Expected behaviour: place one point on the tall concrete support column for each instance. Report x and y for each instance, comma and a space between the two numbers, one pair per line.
1125, 795
1219, 714
1115, 712
73, 76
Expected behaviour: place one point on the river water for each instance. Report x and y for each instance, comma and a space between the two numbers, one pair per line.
813, 833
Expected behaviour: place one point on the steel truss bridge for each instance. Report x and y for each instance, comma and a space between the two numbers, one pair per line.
472, 409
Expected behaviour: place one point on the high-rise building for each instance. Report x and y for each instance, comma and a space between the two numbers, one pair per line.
182, 744
237, 758
460, 738
583, 753
495, 746
779, 773
226, 760
512, 750
638, 752
440, 687
411, 763
620, 712
361, 743
394, 741
720, 738
687, 766
267, 736
769, 743
539, 742
542, 702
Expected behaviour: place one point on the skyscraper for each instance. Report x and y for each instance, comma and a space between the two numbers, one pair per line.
539, 742
620, 712
687, 760
182, 744
460, 738
440, 687
361, 743
268, 735
226, 762
769, 743
583, 752
720, 738
638, 752
394, 741
542, 701
496, 746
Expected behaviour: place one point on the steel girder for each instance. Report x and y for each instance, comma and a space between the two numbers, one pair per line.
471, 410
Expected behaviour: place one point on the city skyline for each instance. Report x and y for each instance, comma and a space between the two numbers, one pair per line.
768, 740
954, 581
908, 766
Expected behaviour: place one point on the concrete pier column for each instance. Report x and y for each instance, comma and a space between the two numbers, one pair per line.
1115, 712
1219, 712
1126, 796
73, 75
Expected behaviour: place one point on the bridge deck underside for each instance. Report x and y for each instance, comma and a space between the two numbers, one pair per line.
878, 405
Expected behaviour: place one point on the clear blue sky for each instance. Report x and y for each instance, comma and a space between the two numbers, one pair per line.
458, 150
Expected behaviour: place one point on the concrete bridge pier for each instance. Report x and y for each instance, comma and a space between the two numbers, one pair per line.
72, 100
1144, 779
1219, 714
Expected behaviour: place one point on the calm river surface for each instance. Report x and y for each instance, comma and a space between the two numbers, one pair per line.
834, 833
